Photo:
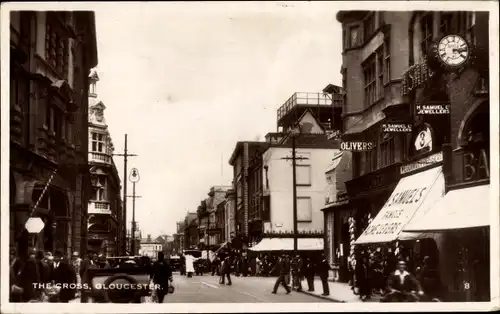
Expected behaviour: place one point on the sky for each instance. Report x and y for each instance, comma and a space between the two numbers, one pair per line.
187, 81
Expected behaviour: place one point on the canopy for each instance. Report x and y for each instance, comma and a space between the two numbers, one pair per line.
416, 192
458, 209
286, 244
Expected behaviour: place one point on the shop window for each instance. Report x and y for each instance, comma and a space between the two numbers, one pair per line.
304, 209
370, 80
426, 29
303, 175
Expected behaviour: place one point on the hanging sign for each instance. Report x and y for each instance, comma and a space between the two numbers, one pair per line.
356, 146
333, 135
34, 224
396, 127
433, 108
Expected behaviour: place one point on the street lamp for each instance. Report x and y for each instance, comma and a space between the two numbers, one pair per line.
134, 178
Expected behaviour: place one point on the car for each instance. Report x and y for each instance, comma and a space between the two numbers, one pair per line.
175, 262
104, 282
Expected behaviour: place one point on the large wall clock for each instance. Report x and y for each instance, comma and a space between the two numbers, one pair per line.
451, 52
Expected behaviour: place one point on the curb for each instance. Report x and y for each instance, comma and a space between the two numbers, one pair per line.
320, 296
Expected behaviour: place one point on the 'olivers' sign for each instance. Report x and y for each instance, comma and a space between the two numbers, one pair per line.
356, 146
396, 127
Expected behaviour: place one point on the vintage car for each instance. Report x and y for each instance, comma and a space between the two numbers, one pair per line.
107, 284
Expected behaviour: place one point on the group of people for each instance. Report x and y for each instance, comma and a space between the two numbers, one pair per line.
391, 276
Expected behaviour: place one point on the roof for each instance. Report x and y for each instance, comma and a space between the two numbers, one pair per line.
239, 146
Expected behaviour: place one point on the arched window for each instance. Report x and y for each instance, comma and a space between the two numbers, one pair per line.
476, 130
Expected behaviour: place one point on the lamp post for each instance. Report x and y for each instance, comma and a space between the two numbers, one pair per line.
294, 133
134, 178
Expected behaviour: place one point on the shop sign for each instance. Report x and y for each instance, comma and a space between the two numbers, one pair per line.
356, 146
333, 135
423, 140
397, 127
421, 163
433, 109
474, 165
416, 76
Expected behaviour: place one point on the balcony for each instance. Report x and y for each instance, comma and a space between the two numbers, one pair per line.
99, 207
304, 101
100, 157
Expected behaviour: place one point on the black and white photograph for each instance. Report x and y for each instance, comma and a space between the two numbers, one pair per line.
278, 155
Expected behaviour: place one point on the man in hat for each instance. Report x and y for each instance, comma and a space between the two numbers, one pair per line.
402, 285
63, 273
283, 269
162, 275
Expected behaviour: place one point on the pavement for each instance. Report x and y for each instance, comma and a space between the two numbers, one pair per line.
339, 292
206, 289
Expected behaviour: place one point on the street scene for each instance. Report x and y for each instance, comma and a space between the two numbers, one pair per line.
299, 154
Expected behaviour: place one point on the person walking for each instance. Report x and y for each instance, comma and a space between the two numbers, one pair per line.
63, 273
323, 269
297, 265
363, 278
283, 269
309, 273
226, 271
162, 275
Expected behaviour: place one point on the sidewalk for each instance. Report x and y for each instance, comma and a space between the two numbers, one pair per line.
339, 292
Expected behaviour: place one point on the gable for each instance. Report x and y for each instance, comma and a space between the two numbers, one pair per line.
310, 124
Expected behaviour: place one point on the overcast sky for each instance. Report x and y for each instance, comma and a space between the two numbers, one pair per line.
186, 81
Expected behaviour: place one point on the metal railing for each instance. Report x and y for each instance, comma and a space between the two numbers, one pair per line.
304, 99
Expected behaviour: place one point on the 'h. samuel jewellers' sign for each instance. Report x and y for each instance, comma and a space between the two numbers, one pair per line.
356, 146
433, 109
396, 128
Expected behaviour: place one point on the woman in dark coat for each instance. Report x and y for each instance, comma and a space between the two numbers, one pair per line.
363, 278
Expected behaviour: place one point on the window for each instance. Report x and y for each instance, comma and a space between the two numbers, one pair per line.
303, 174
387, 150
354, 38
371, 160
369, 73
369, 25
98, 142
99, 189
380, 73
387, 60
426, 28
58, 123
56, 45
344, 87
304, 209
344, 35
471, 24
445, 26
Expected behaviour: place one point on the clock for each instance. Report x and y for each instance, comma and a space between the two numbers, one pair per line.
451, 52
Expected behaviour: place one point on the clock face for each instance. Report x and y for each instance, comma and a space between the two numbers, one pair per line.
453, 50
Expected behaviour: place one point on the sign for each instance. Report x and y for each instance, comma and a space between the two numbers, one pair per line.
421, 163
34, 224
406, 199
473, 165
356, 146
397, 127
423, 141
134, 175
433, 109
416, 76
333, 134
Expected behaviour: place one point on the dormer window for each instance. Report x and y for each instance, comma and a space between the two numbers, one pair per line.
98, 143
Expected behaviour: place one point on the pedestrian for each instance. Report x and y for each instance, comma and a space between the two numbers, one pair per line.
296, 272
281, 268
363, 278
63, 274
226, 271
162, 275
323, 270
309, 273
24, 274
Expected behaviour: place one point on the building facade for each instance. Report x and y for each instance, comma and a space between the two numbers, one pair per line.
230, 215
51, 56
178, 246
150, 247
105, 212
415, 112
191, 233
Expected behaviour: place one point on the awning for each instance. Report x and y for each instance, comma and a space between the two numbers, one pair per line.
286, 244
417, 192
458, 209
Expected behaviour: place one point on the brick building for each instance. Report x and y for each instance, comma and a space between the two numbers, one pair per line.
418, 119
51, 56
